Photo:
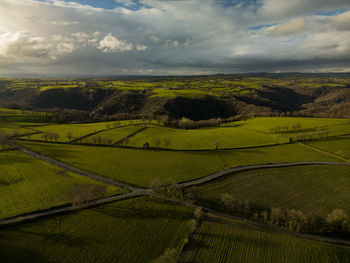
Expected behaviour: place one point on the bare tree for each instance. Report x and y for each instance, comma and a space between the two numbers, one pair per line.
69, 136
166, 142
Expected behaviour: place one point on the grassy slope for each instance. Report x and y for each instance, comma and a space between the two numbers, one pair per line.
226, 240
135, 230
324, 187
339, 146
141, 167
28, 184
201, 138
265, 123
115, 134
77, 130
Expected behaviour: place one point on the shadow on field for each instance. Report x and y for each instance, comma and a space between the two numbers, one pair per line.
11, 158
143, 213
55, 239
11, 253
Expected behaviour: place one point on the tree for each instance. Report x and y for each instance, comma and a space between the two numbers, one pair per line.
198, 213
337, 219
108, 125
276, 216
217, 144
69, 136
166, 142
228, 201
157, 142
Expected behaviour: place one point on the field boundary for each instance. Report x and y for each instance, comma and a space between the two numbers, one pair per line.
324, 152
129, 136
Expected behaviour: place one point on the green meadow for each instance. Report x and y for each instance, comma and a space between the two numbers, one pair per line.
28, 184
141, 167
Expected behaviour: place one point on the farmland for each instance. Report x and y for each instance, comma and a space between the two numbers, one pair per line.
141, 167
325, 187
27, 184
209, 138
226, 168
340, 146
135, 230
226, 240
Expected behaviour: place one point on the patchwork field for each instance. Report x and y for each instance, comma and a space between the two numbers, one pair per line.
112, 136
141, 167
265, 124
208, 138
226, 240
135, 230
324, 187
340, 146
28, 184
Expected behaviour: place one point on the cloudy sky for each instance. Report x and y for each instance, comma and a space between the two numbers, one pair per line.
119, 37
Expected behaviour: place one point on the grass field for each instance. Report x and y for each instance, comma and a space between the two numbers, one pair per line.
226, 240
340, 146
78, 130
324, 187
201, 138
141, 167
264, 124
135, 230
113, 135
28, 184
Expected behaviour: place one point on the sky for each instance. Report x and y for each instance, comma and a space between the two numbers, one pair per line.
173, 37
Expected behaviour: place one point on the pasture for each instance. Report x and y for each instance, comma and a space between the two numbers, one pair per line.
69, 132
134, 230
141, 167
205, 138
226, 240
339, 146
324, 187
112, 136
265, 124
28, 184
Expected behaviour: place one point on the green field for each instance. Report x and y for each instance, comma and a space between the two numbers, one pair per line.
28, 184
135, 230
324, 187
78, 130
111, 136
340, 146
226, 240
264, 124
141, 167
206, 138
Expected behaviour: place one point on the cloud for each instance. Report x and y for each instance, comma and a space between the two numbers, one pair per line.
23, 44
112, 44
141, 47
342, 21
294, 26
174, 36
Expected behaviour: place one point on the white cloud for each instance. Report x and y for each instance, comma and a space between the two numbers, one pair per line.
294, 26
64, 23
112, 44
141, 47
